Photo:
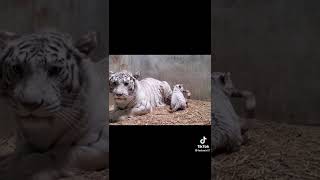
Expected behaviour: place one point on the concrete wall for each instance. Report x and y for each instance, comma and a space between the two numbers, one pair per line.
75, 17
191, 70
272, 48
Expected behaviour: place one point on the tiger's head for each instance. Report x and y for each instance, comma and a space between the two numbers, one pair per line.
122, 86
223, 81
178, 87
40, 73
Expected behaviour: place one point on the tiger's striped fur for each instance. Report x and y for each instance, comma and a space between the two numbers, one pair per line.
55, 93
133, 97
178, 101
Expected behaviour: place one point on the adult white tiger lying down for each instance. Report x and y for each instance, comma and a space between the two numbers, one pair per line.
59, 105
133, 97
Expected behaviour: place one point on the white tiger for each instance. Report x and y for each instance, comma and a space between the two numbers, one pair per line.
133, 97
225, 125
178, 100
59, 104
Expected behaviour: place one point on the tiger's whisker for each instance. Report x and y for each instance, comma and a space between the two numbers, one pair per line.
69, 119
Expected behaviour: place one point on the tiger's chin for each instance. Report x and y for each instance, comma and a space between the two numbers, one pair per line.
123, 101
33, 122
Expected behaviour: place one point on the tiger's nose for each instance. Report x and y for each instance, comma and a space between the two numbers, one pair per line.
31, 105
119, 94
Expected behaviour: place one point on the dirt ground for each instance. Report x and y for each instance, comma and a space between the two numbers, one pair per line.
198, 113
274, 151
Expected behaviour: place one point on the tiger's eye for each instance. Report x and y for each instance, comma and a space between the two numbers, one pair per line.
54, 70
114, 83
126, 83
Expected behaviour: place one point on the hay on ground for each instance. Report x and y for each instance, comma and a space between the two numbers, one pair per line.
198, 113
274, 151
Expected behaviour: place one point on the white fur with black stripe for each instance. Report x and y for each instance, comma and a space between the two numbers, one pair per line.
58, 102
133, 97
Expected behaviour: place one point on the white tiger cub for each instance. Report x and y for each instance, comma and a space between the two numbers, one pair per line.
178, 101
133, 97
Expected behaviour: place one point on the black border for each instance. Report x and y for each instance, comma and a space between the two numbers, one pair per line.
160, 27
159, 152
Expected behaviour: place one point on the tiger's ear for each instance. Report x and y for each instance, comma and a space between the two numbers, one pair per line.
87, 43
5, 37
137, 75
228, 74
110, 74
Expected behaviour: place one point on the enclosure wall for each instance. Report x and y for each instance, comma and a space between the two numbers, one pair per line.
272, 48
